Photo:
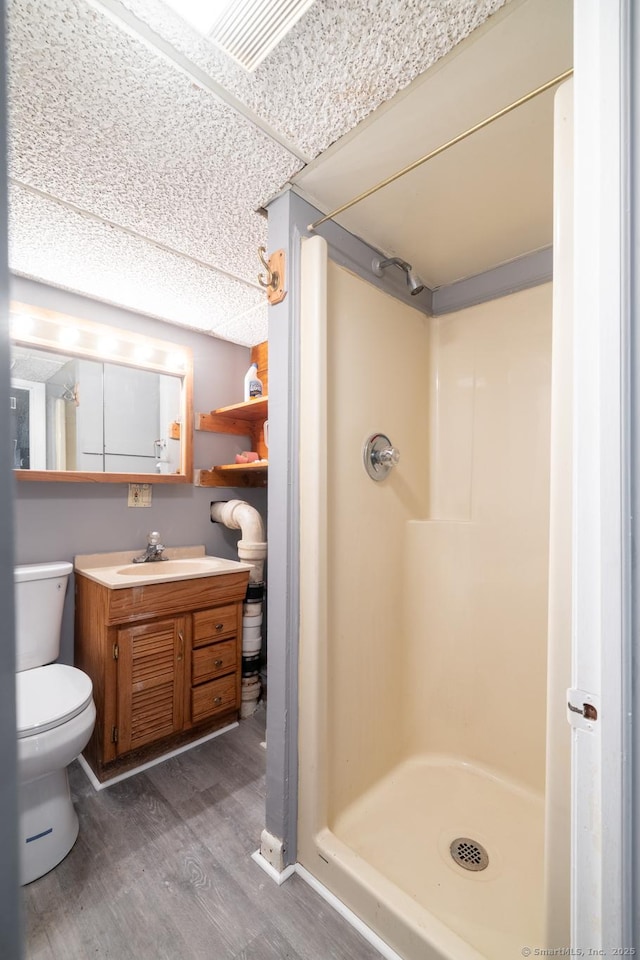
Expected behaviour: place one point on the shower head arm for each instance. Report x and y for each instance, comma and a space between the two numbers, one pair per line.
414, 283
379, 265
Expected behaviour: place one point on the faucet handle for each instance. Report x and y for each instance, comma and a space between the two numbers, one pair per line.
389, 456
153, 538
379, 456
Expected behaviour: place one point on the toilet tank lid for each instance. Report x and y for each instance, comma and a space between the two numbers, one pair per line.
42, 571
49, 696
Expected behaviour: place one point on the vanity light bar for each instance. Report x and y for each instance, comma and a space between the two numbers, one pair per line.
143, 352
58, 332
68, 335
21, 325
108, 346
176, 361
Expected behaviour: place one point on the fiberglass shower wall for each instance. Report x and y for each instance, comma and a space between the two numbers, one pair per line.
378, 371
475, 630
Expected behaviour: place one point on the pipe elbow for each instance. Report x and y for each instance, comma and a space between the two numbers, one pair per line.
250, 522
240, 515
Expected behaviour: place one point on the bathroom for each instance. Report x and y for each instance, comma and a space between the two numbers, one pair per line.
62, 520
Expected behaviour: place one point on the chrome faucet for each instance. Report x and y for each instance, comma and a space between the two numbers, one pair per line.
154, 550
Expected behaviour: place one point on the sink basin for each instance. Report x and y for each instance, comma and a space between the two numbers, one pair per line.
116, 570
171, 568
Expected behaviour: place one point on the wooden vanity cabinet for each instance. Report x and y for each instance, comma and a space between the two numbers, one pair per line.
165, 661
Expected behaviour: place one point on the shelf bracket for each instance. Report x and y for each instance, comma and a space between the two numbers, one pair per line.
273, 279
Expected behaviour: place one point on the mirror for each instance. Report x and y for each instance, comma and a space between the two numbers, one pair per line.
97, 403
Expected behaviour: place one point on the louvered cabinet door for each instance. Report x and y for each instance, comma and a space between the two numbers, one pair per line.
150, 682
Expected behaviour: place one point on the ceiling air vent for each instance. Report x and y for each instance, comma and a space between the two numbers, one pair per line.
248, 30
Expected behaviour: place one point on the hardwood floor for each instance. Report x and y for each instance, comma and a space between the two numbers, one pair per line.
161, 870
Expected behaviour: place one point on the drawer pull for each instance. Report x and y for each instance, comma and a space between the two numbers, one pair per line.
219, 626
217, 663
217, 700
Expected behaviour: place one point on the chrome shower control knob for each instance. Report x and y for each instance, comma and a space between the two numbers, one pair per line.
390, 456
379, 456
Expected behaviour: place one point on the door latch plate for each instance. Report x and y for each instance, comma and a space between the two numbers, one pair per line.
583, 709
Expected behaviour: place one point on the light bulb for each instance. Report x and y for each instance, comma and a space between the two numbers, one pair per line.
21, 325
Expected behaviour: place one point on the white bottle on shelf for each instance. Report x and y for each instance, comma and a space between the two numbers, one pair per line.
252, 383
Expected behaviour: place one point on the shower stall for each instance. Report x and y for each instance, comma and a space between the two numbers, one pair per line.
433, 777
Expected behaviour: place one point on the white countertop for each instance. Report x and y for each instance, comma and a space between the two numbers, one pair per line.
117, 570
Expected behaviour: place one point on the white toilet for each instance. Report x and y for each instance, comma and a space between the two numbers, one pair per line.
56, 714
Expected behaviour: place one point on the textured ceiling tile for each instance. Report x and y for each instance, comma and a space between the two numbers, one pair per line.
341, 60
48, 242
250, 328
101, 121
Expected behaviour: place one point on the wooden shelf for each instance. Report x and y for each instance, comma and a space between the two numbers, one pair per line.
242, 420
239, 418
233, 475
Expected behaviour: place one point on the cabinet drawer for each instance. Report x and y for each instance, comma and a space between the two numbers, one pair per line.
213, 697
214, 660
211, 625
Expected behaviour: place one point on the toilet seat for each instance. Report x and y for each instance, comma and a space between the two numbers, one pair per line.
49, 696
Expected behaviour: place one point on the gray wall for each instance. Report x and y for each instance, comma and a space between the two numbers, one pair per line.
9, 901
56, 521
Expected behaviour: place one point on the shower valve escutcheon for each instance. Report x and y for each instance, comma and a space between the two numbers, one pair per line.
379, 456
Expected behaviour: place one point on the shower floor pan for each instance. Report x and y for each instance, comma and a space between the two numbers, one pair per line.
404, 828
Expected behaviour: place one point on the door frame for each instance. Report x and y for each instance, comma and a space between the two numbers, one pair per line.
37, 421
606, 412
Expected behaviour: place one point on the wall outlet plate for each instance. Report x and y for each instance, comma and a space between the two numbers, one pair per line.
139, 495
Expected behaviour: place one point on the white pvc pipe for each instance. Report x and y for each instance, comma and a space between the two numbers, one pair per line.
252, 547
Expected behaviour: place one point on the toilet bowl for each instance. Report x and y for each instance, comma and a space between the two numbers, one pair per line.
55, 719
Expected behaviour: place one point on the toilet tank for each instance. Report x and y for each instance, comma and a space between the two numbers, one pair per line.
39, 600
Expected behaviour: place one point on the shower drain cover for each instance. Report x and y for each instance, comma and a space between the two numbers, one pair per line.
469, 854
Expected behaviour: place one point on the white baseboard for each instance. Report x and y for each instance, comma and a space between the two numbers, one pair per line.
273, 873
95, 783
